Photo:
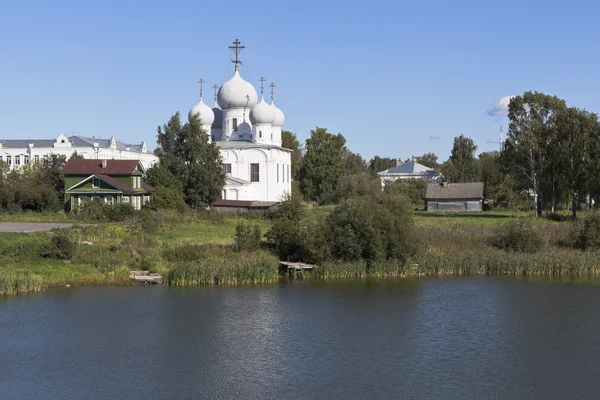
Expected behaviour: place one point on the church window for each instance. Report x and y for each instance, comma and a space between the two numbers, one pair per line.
277, 173
227, 168
17, 160
254, 173
259, 134
234, 124
95, 183
288, 172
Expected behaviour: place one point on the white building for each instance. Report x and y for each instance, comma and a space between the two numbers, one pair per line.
248, 133
409, 170
16, 153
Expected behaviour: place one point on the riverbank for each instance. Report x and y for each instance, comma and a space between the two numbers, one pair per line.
198, 248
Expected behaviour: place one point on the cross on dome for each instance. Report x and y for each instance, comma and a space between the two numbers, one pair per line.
272, 86
262, 85
201, 81
215, 88
236, 47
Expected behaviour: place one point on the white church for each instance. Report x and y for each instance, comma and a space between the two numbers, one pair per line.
248, 134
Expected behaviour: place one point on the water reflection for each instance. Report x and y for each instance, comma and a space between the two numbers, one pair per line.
447, 338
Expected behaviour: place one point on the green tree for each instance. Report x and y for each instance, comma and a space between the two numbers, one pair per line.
290, 141
50, 173
379, 164
462, 166
531, 143
412, 189
322, 165
354, 163
76, 156
187, 154
491, 173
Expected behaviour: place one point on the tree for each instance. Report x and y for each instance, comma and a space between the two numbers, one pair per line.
530, 144
322, 164
412, 189
462, 166
50, 173
290, 141
576, 130
354, 163
187, 154
491, 174
378, 164
428, 160
168, 193
76, 156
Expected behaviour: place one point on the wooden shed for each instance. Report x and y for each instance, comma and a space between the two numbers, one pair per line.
454, 197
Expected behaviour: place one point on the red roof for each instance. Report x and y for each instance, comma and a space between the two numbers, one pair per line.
89, 167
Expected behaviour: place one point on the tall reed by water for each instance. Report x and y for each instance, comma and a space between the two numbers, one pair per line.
218, 269
19, 282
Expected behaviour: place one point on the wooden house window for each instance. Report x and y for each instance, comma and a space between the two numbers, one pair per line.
109, 200
254, 173
125, 199
95, 183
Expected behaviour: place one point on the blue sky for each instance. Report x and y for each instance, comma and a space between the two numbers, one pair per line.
395, 78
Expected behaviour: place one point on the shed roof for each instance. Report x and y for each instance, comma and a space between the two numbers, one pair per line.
409, 167
89, 167
471, 190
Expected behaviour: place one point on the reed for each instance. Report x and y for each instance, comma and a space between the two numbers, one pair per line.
217, 268
19, 282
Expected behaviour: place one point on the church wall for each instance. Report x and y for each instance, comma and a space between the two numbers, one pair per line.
271, 186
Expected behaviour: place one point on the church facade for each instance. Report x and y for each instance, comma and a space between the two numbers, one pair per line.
248, 134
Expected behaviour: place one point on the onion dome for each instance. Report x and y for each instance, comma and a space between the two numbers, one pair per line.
279, 117
203, 111
218, 113
262, 113
236, 93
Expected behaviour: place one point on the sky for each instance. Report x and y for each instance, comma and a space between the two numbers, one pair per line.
396, 78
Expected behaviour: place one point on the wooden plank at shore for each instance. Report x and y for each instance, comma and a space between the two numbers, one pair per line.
297, 265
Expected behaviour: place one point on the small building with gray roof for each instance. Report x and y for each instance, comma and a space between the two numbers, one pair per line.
454, 197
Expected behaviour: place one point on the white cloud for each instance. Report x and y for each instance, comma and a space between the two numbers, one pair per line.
499, 108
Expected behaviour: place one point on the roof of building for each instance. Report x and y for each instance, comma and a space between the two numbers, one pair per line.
410, 167
89, 167
472, 190
77, 141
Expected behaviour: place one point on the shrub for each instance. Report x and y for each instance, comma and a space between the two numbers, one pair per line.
585, 234
187, 252
413, 189
358, 185
60, 247
371, 229
247, 238
518, 235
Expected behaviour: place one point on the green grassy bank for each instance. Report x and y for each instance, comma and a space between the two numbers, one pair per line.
196, 248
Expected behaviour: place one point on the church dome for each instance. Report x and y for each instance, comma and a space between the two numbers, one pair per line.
206, 114
236, 93
262, 113
279, 117
218, 123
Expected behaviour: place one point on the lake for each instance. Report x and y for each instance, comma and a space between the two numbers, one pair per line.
444, 338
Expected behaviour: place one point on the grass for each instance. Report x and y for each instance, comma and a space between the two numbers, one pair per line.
197, 248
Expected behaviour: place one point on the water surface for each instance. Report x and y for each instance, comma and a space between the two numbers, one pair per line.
449, 338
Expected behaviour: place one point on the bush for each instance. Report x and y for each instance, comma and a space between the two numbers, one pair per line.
371, 229
350, 186
518, 235
413, 189
585, 234
247, 238
61, 247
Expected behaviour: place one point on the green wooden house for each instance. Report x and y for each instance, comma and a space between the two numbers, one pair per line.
107, 181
